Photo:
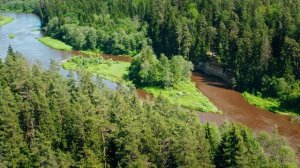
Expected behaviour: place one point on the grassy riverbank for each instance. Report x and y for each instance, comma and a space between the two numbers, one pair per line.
184, 93
269, 104
111, 70
55, 44
5, 20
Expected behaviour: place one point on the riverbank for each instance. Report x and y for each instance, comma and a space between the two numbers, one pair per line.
269, 104
5, 20
115, 71
184, 94
211, 67
236, 109
115, 68
55, 44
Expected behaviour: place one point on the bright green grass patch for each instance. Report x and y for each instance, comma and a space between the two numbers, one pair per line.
5, 20
55, 44
91, 53
115, 71
269, 104
185, 94
11, 36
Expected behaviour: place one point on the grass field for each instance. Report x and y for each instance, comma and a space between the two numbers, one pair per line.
185, 94
55, 44
111, 70
5, 20
269, 104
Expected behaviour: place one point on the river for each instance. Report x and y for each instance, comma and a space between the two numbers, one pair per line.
26, 28
236, 108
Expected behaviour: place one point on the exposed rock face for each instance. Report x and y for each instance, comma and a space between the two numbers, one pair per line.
213, 68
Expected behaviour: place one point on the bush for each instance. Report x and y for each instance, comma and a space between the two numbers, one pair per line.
277, 95
275, 87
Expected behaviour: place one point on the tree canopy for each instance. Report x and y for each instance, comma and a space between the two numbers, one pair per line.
260, 34
47, 120
146, 69
256, 40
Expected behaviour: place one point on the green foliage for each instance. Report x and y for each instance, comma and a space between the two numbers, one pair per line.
11, 36
277, 150
5, 20
51, 121
147, 70
113, 70
18, 5
212, 134
277, 95
144, 68
239, 148
12, 144
119, 36
261, 35
275, 87
184, 94
56, 44
252, 39
264, 103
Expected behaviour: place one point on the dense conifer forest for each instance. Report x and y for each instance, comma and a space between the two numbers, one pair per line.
18, 5
50, 120
47, 120
263, 35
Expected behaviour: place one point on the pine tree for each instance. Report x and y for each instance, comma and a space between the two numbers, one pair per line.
12, 145
213, 136
231, 149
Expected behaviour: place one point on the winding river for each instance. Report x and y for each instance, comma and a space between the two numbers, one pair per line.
236, 108
26, 28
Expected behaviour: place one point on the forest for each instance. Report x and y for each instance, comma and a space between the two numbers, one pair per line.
18, 5
260, 34
47, 120
51, 120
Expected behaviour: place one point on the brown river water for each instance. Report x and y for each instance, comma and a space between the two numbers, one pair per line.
26, 30
236, 108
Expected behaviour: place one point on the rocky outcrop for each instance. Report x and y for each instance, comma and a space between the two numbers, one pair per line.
213, 68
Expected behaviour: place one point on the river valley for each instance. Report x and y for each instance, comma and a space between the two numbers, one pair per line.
26, 28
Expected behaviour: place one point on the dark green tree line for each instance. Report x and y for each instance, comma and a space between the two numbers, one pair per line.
47, 120
147, 70
18, 5
254, 39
